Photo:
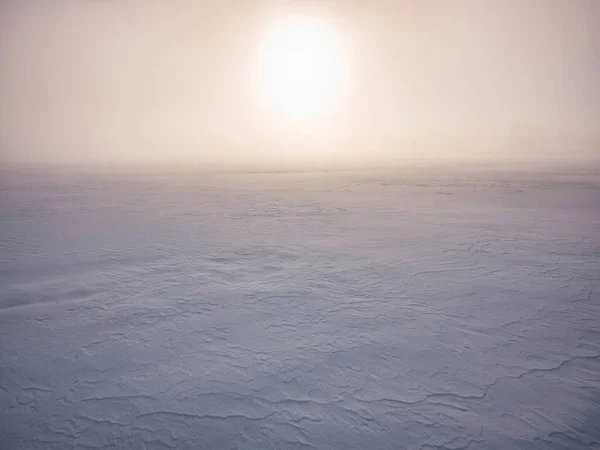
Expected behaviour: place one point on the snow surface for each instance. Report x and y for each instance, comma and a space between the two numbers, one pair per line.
382, 309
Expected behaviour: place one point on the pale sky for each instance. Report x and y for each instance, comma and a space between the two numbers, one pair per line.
148, 79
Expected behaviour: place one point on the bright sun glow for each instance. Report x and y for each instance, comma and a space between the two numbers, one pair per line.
301, 66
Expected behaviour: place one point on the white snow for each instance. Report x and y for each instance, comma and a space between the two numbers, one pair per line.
381, 309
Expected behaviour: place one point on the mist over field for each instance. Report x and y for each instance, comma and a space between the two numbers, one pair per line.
299, 225
152, 82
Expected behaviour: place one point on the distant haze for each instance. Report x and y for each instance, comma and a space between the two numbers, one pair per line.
85, 81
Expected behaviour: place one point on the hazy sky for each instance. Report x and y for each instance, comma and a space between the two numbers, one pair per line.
127, 79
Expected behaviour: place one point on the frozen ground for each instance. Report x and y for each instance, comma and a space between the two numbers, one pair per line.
407, 309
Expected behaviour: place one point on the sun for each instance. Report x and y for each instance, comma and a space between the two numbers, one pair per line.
301, 66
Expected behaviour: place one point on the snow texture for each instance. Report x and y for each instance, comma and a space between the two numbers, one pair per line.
407, 309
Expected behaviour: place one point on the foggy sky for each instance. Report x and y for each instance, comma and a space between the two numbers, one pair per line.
142, 80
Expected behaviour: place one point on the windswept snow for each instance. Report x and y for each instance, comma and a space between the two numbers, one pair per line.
406, 309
